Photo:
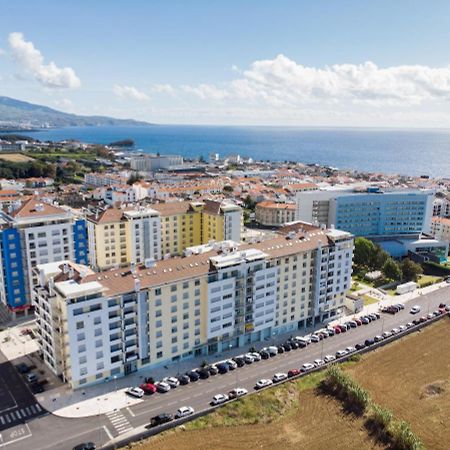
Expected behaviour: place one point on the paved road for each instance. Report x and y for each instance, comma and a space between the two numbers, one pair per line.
53, 433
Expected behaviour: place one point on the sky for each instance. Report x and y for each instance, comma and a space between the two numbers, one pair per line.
234, 62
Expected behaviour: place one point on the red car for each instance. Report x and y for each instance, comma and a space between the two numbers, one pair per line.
293, 372
337, 329
148, 388
423, 319
358, 322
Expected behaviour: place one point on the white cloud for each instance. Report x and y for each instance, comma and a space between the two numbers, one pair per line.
282, 81
129, 92
63, 103
164, 89
49, 75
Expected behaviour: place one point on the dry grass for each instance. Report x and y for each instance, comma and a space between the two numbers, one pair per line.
411, 377
15, 157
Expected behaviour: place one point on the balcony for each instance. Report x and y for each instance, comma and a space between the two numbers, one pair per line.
130, 326
131, 348
129, 314
131, 358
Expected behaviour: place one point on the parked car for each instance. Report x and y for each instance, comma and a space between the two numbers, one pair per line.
395, 330
423, 319
415, 309
319, 362
248, 358
358, 322
329, 358
378, 338
402, 328
135, 392
162, 386
37, 388
23, 368
303, 340
369, 342
219, 399
237, 392
306, 367
360, 346
350, 349
294, 345
409, 325
160, 419
256, 356
264, 354
442, 305
85, 446
149, 380
315, 338
416, 321
374, 316
386, 334
430, 315
193, 375
171, 381
280, 349
343, 328
337, 329
352, 324
203, 373
224, 367
280, 376
365, 320
213, 370
31, 377
231, 364
293, 373
239, 360
400, 306
264, 382
148, 388
331, 332
184, 379
341, 353
287, 347
273, 351
184, 411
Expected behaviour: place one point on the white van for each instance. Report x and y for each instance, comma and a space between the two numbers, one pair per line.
272, 350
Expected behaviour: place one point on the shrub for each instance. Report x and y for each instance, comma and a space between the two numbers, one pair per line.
403, 438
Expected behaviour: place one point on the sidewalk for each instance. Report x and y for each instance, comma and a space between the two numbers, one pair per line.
109, 396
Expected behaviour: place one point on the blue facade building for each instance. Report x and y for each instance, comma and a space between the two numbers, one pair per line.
80, 242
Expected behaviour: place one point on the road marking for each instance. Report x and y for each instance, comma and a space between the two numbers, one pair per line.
28, 410
38, 407
108, 433
2, 420
16, 432
131, 412
171, 403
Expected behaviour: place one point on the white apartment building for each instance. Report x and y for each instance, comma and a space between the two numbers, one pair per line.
93, 326
441, 207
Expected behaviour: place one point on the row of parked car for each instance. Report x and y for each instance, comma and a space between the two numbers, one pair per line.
150, 386
36, 385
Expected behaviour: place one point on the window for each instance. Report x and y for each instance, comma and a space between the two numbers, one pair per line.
82, 360
98, 332
81, 348
81, 337
99, 355
97, 320
80, 325
98, 343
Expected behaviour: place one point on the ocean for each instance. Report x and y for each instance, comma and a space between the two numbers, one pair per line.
406, 152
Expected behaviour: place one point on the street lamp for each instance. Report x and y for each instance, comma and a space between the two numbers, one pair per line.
115, 382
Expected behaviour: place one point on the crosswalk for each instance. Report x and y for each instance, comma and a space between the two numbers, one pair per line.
119, 422
19, 415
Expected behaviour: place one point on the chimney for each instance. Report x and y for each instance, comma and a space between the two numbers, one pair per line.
137, 285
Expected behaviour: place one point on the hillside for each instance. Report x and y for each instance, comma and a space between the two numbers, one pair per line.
16, 114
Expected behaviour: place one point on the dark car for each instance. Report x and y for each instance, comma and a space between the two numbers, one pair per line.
287, 347
183, 379
203, 373
416, 321
294, 345
149, 380
264, 354
369, 342
331, 331
343, 328
85, 446
223, 368
293, 373
193, 375
37, 388
280, 349
160, 419
359, 346
239, 361
23, 368
442, 305
302, 344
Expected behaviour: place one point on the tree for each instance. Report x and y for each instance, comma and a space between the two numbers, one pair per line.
134, 177
249, 203
364, 251
378, 258
411, 270
391, 270
228, 189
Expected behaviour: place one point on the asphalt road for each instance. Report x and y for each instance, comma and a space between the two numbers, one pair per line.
54, 433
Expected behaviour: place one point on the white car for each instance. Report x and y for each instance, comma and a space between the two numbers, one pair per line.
263, 383
395, 330
386, 334
248, 358
135, 392
171, 381
256, 356
162, 386
238, 392
306, 340
409, 325
232, 364
184, 411
415, 309
319, 362
402, 328
314, 338
341, 353
219, 399
350, 349
306, 367
329, 358
280, 376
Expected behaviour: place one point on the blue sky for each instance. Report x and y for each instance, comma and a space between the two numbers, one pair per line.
358, 63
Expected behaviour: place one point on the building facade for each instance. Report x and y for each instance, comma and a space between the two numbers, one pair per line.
35, 232
274, 214
93, 326
440, 228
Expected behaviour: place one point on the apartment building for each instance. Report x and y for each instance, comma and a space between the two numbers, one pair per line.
441, 207
93, 326
35, 232
274, 214
119, 237
96, 179
440, 228
146, 162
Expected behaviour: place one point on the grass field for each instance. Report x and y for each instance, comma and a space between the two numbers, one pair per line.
368, 300
411, 377
426, 280
15, 157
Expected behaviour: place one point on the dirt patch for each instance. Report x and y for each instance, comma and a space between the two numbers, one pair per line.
403, 378
15, 157
314, 423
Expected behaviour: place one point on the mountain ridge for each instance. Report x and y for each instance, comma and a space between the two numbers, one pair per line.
17, 114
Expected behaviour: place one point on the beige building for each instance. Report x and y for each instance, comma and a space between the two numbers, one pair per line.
440, 228
274, 214
96, 325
